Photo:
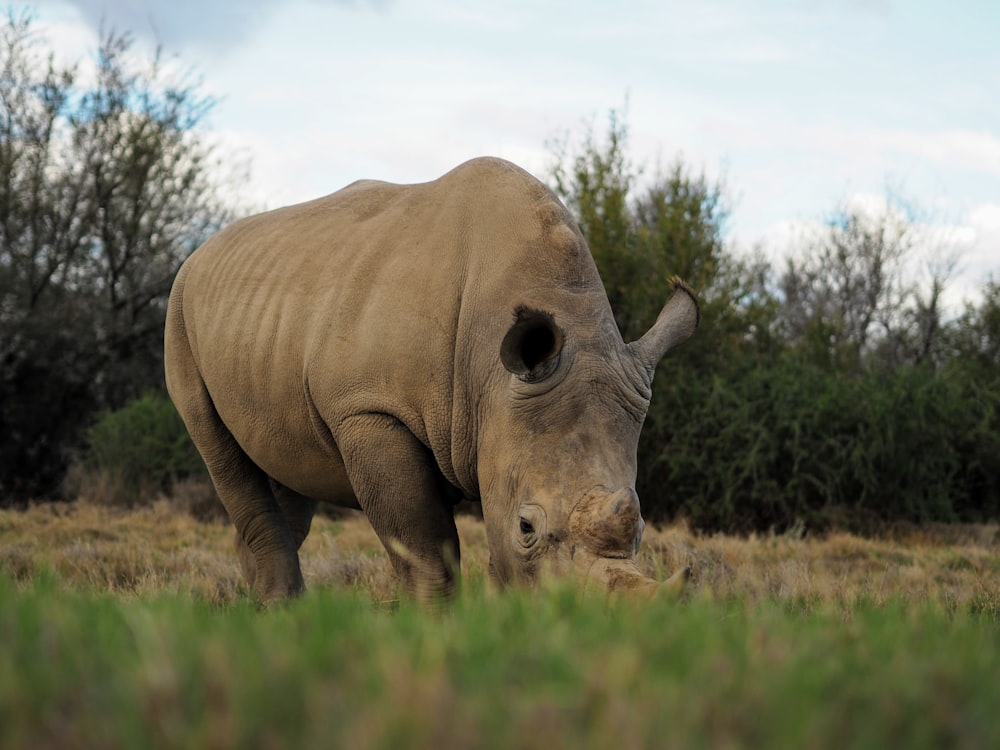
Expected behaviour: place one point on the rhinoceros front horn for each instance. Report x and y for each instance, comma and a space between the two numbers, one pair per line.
623, 580
609, 524
675, 585
650, 589
610, 527
674, 325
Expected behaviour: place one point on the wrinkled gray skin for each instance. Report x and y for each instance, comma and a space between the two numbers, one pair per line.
395, 348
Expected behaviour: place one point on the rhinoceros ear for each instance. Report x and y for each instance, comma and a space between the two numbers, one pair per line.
674, 325
531, 348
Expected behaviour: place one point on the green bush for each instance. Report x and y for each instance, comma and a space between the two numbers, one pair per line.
788, 442
144, 445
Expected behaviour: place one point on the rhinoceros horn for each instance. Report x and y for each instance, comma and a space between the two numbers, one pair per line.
610, 526
675, 585
621, 579
674, 325
608, 523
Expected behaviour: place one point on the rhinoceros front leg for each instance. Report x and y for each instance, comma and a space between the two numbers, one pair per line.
400, 489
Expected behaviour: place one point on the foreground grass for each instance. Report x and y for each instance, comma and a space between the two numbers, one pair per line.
132, 630
84, 669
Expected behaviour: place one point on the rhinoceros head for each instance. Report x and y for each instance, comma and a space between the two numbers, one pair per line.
559, 453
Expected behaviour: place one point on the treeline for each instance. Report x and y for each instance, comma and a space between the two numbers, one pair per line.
105, 187
831, 391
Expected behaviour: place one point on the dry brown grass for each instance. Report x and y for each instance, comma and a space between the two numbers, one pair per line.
162, 548
949, 565
144, 550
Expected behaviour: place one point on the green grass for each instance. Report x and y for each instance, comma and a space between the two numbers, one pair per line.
82, 667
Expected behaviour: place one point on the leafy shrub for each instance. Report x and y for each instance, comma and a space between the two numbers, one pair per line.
788, 442
144, 447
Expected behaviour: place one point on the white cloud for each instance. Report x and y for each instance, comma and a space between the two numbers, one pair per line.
970, 247
70, 39
982, 254
987, 218
214, 27
967, 149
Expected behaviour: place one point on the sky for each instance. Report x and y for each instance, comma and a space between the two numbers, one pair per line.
797, 106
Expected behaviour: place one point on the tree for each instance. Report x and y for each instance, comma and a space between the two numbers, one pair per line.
975, 336
105, 188
640, 238
851, 300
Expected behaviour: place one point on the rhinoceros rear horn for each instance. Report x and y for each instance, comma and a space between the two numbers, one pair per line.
674, 325
531, 348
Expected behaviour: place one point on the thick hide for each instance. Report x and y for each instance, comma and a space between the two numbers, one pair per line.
396, 348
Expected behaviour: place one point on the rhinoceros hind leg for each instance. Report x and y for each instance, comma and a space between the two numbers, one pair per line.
270, 561
400, 489
298, 511
266, 544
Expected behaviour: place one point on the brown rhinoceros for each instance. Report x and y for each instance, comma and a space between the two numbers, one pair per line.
395, 348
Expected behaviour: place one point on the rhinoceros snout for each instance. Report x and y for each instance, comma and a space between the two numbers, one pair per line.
608, 523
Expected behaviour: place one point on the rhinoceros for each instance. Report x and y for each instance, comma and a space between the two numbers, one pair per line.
397, 348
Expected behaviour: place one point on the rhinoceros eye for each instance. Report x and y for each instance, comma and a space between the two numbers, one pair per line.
530, 527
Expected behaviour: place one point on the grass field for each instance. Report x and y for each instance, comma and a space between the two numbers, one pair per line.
131, 629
